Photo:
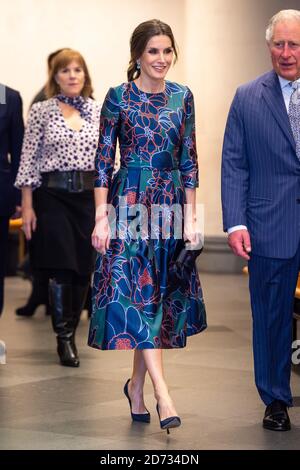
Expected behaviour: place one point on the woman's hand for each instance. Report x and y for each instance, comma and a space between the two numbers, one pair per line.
101, 235
192, 235
28, 221
190, 232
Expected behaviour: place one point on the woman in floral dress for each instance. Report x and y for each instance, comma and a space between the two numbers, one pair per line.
135, 305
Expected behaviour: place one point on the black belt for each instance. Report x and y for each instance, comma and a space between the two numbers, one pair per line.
72, 181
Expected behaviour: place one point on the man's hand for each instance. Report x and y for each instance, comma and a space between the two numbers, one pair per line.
239, 242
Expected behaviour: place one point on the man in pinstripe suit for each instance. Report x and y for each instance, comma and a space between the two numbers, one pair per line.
261, 207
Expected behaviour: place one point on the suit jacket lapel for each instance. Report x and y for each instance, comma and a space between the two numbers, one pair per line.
273, 96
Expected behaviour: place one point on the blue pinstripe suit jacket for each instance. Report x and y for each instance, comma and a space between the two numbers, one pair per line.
260, 169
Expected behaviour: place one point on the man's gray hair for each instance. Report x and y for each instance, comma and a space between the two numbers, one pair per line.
283, 15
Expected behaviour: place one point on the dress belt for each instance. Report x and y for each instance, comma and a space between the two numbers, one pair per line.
74, 181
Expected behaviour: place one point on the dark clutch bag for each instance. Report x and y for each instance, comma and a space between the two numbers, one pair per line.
181, 269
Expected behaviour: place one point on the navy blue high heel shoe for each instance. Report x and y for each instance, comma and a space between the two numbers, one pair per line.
140, 417
171, 422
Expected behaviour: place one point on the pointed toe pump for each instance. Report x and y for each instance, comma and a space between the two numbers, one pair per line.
139, 417
168, 423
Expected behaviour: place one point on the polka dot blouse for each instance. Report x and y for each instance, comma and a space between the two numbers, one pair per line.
49, 144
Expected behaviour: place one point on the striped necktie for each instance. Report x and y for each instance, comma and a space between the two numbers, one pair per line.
294, 114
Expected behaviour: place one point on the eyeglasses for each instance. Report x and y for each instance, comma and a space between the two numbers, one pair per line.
280, 45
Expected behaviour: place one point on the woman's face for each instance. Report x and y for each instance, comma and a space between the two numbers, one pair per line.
157, 58
71, 79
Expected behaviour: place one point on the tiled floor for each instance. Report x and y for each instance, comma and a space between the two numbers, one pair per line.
46, 406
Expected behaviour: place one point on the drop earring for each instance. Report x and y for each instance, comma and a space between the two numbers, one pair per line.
138, 64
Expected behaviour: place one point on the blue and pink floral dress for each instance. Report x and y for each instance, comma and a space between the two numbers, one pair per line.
135, 305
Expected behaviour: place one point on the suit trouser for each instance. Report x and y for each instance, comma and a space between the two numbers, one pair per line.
4, 221
272, 286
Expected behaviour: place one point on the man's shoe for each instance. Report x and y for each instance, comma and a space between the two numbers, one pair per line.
276, 417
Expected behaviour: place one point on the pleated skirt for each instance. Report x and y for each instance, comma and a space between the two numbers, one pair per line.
134, 304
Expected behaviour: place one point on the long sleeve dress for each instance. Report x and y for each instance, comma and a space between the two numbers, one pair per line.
134, 305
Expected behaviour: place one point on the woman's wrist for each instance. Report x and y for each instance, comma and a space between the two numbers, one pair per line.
192, 218
101, 210
100, 217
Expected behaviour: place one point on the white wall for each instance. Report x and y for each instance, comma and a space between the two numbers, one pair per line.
99, 29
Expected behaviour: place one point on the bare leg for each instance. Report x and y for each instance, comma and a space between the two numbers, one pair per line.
153, 362
136, 384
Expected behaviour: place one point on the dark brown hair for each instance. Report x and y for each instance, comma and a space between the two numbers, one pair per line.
53, 54
139, 40
61, 60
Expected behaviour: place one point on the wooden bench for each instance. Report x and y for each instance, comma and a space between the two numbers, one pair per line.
296, 314
297, 292
15, 225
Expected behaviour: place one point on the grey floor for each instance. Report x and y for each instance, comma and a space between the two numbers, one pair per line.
46, 406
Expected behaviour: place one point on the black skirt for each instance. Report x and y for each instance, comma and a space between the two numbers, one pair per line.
65, 222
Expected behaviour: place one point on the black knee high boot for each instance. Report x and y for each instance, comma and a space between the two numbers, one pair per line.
88, 302
38, 296
60, 297
79, 295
